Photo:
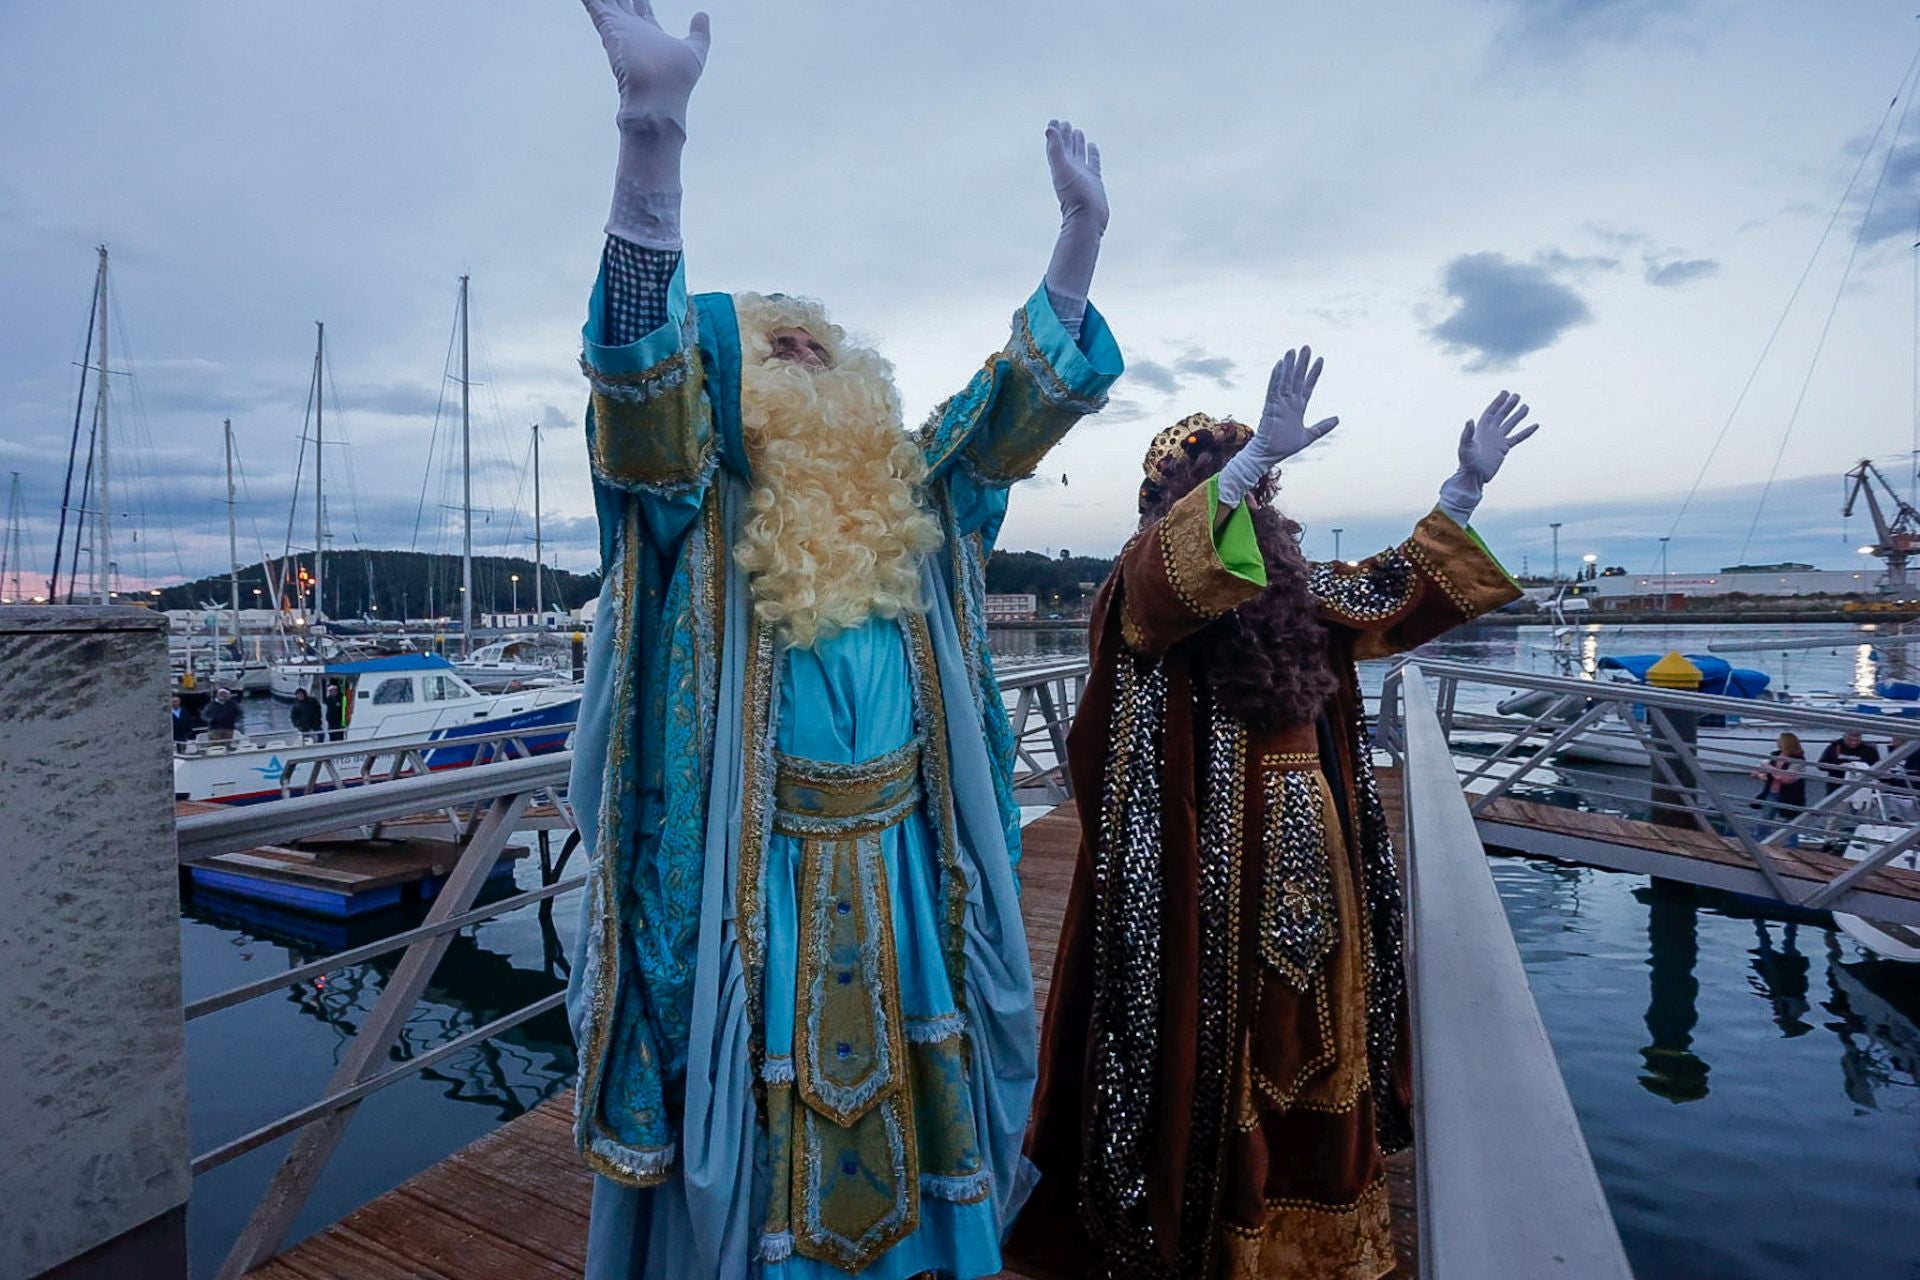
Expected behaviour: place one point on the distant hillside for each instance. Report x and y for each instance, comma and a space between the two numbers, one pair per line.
398, 584
1056, 581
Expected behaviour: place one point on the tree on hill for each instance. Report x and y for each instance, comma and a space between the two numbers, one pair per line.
396, 585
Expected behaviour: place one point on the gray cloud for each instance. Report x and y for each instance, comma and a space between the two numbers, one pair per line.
1151, 373
1582, 265
1172, 378
1560, 29
1505, 309
1891, 215
1680, 271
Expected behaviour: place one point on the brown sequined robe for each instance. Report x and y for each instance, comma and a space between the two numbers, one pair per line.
1225, 1056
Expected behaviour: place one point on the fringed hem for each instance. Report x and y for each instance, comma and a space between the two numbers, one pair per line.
630, 1166
970, 1188
933, 1030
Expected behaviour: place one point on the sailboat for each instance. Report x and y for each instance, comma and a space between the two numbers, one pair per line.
306, 669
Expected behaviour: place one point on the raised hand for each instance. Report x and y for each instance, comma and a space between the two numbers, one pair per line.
1486, 440
1283, 429
1484, 445
656, 72
1075, 163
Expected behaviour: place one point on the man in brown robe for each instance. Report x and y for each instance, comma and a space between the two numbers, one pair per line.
1226, 1057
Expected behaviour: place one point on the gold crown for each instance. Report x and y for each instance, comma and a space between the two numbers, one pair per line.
1188, 430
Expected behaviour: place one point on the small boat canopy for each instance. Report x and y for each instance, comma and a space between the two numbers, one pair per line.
1717, 675
387, 666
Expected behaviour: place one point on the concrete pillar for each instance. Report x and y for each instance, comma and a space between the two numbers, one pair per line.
95, 1178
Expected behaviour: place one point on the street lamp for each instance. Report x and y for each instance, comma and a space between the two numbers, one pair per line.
1555, 526
1590, 560
516, 591
1336, 542
1666, 590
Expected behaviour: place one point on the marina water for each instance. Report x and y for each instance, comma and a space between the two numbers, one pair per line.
1749, 1083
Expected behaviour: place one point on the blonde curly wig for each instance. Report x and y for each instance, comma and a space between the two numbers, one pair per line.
837, 532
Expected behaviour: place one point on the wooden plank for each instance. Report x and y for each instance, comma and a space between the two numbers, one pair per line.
291, 872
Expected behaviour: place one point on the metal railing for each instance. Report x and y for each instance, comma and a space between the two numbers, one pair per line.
1680, 759
1044, 697
1507, 1187
308, 767
498, 795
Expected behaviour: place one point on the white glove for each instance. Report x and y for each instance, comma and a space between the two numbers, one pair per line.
1075, 163
656, 73
1283, 429
1483, 447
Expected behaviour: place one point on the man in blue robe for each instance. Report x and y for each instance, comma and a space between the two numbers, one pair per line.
802, 995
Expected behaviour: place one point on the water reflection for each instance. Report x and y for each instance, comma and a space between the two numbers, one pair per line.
473, 985
1780, 975
1673, 1071
1865, 671
1875, 1006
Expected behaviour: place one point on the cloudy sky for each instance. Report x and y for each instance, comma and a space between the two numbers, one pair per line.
1606, 204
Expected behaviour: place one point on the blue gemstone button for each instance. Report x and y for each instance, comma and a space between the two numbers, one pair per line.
843, 907
845, 978
844, 1049
849, 1166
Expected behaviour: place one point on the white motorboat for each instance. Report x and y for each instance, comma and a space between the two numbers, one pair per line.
409, 701
1884, 822
505, 664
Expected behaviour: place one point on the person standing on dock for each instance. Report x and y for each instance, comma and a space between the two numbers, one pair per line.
802, 995
305, 714
1226, 1058
223, 716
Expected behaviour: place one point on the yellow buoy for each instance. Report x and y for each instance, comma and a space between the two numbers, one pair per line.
1674, 672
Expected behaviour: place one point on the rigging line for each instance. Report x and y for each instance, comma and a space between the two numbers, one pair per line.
300, 465
1913, 447
73, 446
1826, 327
1766, 348
433, 439
146, 461
345, 445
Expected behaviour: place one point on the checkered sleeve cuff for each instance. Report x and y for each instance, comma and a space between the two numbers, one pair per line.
636, 280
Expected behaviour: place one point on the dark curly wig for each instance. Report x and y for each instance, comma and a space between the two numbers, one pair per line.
1267, 660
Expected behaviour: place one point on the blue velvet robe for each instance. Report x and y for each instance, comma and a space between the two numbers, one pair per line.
681, 996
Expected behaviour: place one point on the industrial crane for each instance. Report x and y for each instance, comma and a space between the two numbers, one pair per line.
1899, 537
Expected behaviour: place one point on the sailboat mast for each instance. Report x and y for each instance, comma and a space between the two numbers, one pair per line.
103, 521
319, 463
466, 482
539, 548
233, 539
10, 548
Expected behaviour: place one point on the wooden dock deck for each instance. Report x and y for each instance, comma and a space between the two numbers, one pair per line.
344, 876
513, 1206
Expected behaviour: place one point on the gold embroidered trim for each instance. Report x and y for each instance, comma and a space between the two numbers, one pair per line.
1412, 549
1304, 1240
1193, 568
756, 814
937, 770
813, 800
1129, 629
